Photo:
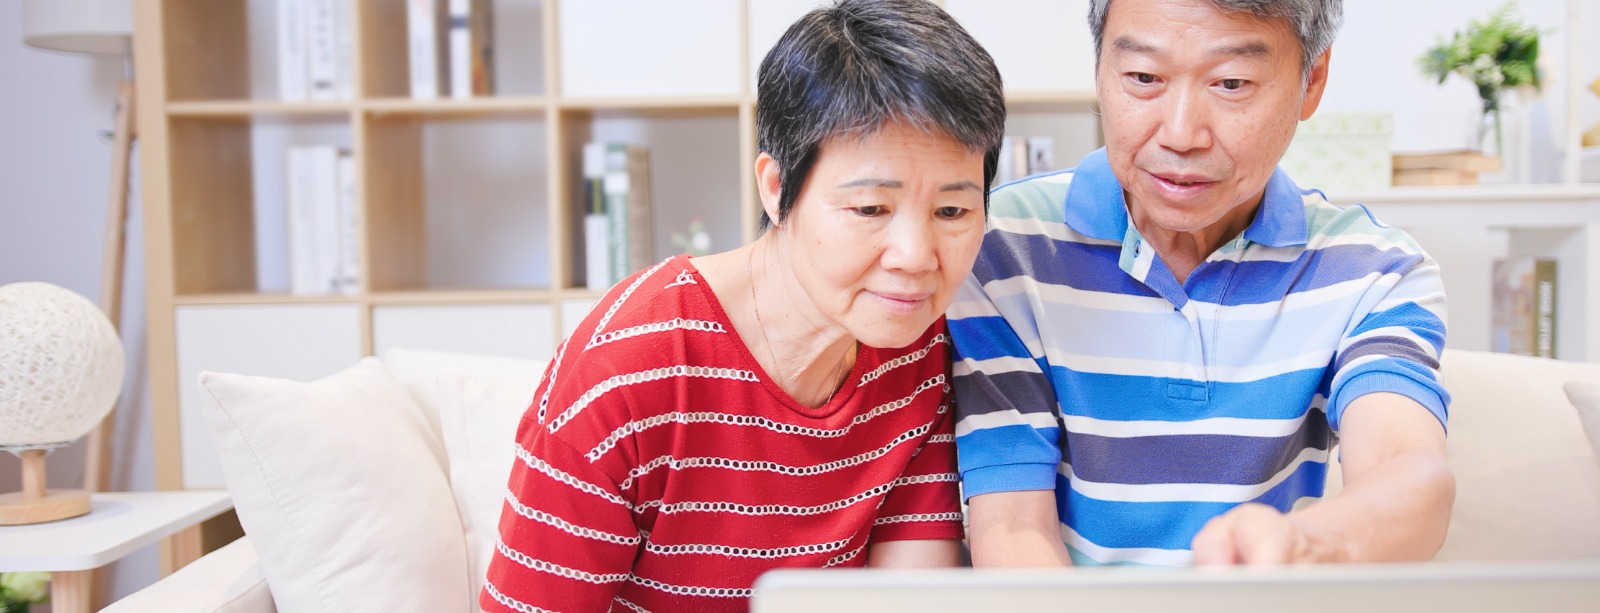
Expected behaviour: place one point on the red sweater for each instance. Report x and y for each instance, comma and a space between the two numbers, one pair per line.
659, 468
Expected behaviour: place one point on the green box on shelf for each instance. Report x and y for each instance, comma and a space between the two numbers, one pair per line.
1348, 150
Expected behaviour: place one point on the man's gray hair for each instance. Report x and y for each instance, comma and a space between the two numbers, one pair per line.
1315, 22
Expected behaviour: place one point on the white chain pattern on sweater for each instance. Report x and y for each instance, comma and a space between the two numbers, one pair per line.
773, 467
557, 569
746, 552
679, 323
566, 526
535, 463
511, 603
917, 517
634, 378
693, 590
902, 360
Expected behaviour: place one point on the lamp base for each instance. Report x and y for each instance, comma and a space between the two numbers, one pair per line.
17, 509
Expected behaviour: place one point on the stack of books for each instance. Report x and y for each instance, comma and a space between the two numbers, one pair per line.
617, 228
451, 48
314, 50
1523, 316
1024, 156
1443, 168
324, 225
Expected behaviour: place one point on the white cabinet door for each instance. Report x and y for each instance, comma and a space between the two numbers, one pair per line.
299, 342
513, 330
650, 48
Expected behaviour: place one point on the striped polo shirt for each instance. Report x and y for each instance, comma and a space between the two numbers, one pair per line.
1151, 406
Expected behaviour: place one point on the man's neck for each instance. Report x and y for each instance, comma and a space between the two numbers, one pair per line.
1183, 251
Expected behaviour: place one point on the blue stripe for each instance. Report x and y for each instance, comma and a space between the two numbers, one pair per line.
1005, 445
1169, 525
1285, 396
1260, 281
984, 338
1192, 458
1409, 315
1096, 268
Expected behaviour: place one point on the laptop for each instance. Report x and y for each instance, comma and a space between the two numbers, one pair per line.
1434, 586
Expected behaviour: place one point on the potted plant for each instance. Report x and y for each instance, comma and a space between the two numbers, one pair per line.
1497, 54
18, 591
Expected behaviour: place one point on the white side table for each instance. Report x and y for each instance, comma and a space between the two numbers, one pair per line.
118, 524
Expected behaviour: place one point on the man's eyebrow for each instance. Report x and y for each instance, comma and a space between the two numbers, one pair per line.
1252, 49
1129, 45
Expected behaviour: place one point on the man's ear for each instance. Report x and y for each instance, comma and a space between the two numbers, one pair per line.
1316, 83
769, 185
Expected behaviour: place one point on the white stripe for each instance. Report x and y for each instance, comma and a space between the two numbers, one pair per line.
555, 473
509, 602
1140, 555
693, 590
994, 366
724, 506
646, 376
770, 466
1034, 289
566, 526
1188, 492
557, 569
941, 438
845, 557
746, 552
632, 607
902, 360
983, 421
695, 325
1032, 226
917, 518
1315, 358
611, 311
637, 426
1227, 426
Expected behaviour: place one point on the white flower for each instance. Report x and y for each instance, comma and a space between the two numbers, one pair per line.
30, 587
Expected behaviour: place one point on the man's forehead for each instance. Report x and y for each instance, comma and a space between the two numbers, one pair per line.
1152, 27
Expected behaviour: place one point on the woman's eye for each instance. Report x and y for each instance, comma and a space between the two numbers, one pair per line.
952, 212
871, 210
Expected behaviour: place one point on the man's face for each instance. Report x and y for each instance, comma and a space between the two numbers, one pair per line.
1198, 106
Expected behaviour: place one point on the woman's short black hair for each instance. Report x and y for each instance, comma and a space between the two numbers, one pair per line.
846, 70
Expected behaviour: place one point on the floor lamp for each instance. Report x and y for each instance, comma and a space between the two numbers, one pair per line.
97, 27
103, 27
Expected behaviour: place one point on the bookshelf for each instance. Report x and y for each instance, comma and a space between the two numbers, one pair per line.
470, 209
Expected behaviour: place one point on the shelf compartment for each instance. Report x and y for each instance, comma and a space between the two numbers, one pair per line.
456, 203
255, 108
518, 49
694, 165
516, 330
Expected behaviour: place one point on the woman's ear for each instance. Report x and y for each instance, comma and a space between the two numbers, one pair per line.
769, 185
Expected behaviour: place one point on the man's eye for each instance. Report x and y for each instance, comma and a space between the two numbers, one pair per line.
871, 210
952, 212
1232, 84
1144, 77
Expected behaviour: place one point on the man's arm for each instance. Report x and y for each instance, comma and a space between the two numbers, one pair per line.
1016, 530
1395, 505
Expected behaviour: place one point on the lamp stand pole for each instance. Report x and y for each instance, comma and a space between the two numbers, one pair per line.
97, 458
35, 504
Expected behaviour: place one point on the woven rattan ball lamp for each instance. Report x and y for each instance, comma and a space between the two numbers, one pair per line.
60, 371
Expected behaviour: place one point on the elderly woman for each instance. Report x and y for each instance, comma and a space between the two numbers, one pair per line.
787, 403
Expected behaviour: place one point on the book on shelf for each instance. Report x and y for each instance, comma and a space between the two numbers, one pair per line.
1024, 156
624, 182
596, 226
471, 48
1523, 313
1434, 176
324, 241
1041, 154
427, 29
1464, 160
314, 47
293, 21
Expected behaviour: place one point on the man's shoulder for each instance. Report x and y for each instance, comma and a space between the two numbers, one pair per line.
1329, 225
1040, 198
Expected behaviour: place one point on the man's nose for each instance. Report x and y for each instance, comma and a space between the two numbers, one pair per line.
1185, 122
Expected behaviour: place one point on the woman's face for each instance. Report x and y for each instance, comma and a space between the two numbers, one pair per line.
884, 231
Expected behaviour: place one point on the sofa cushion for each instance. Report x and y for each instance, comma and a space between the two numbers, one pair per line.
478, 417
1585, 396
227, 580
337, 485
1527, 482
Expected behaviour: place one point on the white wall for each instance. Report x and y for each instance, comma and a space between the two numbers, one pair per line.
54, 172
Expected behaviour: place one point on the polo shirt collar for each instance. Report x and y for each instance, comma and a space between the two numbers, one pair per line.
1095, 206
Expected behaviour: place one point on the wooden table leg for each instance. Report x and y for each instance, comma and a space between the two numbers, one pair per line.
180, 549
69, 591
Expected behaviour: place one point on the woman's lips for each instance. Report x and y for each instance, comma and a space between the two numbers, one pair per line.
901, 304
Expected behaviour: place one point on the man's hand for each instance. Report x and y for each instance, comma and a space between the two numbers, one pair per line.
1255, 534
1395, 505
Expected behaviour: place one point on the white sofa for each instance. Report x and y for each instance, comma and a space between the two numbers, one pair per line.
1528, 483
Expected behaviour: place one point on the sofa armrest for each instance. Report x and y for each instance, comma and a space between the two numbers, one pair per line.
227, 580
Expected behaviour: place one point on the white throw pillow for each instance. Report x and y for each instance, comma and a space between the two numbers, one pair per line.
1585, 395
419, 370
479, 420
336, 483
1527, 483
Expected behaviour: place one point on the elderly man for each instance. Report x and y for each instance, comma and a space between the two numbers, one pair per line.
1157, 350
